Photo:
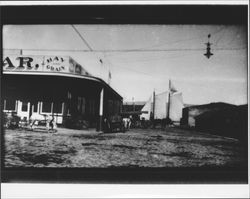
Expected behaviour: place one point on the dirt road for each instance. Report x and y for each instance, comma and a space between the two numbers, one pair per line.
135, 148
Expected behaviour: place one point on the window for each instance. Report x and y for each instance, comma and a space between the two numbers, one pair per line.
69, 95
10, 104
57, 107
117, 107
35, 107
46, 107
110, 107
91, 107
25, 106
79, 103
83, 105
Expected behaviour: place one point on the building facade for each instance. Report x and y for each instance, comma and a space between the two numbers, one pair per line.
229, 122
56, 86
190, 113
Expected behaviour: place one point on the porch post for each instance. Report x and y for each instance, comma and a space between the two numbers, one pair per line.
99, 126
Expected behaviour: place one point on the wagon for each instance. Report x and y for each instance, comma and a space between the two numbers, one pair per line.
42, 125
11, 120
114, 124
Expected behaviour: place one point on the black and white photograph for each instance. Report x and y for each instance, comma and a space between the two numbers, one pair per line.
104, 98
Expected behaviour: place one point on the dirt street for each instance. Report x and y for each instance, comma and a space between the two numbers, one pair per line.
135, 148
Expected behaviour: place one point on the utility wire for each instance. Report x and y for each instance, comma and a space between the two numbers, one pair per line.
177, 41
86, 43
137, 71
129, 50
222, 34
152, 59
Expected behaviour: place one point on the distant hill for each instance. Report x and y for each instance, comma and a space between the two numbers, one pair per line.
142, 103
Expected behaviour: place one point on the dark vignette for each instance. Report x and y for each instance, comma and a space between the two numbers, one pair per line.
123, 14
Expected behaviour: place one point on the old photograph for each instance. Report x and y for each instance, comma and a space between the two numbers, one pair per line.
130, 96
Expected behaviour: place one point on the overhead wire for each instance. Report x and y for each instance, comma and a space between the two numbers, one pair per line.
125, 50
86, 43
223, 33
152, 59
79, 34
134, 50
141, 50
137, 71
190, 39
177, 41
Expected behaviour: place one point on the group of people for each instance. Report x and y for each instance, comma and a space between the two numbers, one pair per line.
116, 123
127, 122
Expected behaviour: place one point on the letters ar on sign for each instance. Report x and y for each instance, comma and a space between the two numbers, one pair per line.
35, 63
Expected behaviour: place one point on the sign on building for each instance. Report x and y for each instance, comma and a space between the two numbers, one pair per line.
59, 64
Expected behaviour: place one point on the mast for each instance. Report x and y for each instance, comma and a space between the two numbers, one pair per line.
154, 105
168, 111
153, 118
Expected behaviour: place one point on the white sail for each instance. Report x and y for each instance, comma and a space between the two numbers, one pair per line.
176, 106
161, 105
147, 107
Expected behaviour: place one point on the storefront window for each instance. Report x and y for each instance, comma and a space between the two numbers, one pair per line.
91, 107
83, 105
25, 106
78, 103
46, 107
110, 107
117, 106
10, 105
35, 107
57, 108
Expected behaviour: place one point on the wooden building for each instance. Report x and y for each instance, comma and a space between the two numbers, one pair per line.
229, 122
56, 86
190, 113
132, 106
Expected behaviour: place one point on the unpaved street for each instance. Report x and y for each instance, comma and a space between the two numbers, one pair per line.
135, 148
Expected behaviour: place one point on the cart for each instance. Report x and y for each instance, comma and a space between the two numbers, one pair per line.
114, 124
45, 124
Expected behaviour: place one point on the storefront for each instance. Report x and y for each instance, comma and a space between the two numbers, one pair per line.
55, 86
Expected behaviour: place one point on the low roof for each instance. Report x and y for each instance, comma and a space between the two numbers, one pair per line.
140, 103
51, 66
212, 105
134, 112
217, 113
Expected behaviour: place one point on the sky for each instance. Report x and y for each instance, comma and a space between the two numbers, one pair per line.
142, 58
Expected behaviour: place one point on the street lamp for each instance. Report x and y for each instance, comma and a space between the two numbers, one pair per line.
208, 54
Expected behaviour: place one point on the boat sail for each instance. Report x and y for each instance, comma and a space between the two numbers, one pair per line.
176, 106
161, 105
148, 107
168, 104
